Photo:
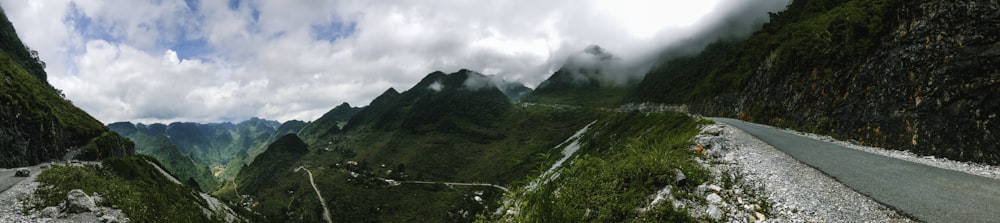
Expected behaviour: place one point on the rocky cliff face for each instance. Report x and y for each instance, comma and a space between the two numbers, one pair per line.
931, 85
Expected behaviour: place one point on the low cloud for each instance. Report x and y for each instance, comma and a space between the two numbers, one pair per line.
211, 61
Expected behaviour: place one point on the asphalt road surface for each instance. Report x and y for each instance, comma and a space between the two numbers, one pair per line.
926, 193
7, 178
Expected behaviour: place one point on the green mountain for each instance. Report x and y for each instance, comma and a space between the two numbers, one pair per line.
910, 75
39, 123
584, 80
206, 153
447, 127
338, 116
160, 147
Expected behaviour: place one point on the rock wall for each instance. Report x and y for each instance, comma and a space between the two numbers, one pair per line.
932, 86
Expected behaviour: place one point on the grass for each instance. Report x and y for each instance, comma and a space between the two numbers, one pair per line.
503, 150
623, 159
127, 183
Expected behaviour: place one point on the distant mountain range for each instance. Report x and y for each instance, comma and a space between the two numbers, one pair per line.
920, 76
209, 153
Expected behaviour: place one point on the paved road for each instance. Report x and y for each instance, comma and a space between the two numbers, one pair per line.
456, 184
927, 193
7, 178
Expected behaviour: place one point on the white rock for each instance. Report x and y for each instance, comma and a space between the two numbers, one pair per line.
713, 198
714, 212
760, 216
77, 201
714, 188
50, 212
701, 189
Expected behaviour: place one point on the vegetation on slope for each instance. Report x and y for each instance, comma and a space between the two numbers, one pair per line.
908, 75
454, 133
584, 80
38, 123
622, 160
814, 35
128, 183
161, 148
338, 116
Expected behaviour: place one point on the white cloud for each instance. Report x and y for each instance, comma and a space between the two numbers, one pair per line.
160, 61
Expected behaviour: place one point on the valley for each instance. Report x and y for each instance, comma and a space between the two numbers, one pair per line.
821, 111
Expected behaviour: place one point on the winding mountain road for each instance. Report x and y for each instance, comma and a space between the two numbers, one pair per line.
927, 193
326, 211
504, 189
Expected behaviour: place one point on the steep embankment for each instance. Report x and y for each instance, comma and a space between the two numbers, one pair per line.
922, 76
37, 123
137, 185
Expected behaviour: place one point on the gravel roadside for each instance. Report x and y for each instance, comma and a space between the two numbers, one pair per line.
795, 191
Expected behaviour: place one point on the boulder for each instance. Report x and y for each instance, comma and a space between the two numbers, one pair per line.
715, 188
714, 212
50, 212
22, 172
713, 198
78, 201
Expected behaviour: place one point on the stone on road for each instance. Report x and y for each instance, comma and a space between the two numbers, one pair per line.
927, 193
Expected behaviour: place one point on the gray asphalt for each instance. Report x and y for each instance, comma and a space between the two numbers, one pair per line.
7, 178
926, 193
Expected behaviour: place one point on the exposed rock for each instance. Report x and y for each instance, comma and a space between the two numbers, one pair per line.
714, 188
50, 212
701, 189
22, 172
759, 216
928, 84
680, 176
109, 218
713, 198
97, 198
714, 212
77, 201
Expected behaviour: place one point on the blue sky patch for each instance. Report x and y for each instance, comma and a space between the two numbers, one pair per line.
334, 31
86, 26
188, 49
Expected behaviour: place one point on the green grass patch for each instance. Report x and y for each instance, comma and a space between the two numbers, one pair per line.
127, 183
623, 160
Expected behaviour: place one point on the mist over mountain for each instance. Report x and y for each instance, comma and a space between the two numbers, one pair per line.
614, 133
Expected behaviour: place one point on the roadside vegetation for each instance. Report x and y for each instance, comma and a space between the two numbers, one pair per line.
622, 161
131, 184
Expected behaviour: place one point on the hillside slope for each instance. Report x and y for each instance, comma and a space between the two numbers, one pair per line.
585, 80
37, 123
444, 129
173, 159
922, 76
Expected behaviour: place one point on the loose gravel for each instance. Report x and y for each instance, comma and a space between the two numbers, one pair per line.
795, 191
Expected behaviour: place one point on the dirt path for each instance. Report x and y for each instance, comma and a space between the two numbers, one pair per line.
326, 211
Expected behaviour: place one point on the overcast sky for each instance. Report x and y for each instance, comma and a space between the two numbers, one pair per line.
211, 61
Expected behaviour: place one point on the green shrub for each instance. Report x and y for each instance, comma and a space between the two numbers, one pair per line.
131, 184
